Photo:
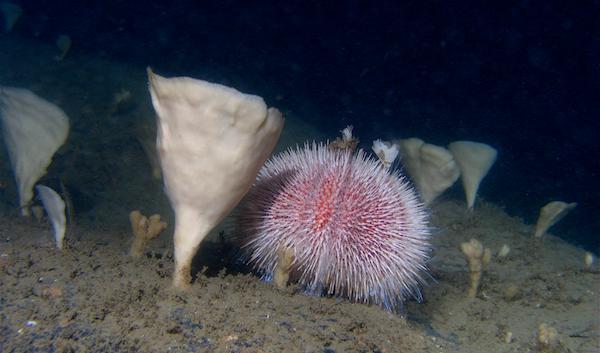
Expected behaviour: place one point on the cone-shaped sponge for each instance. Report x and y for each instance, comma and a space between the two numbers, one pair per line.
431, 167
212, 140
55, 209
33, 130
551, 214
474, 160
11, 13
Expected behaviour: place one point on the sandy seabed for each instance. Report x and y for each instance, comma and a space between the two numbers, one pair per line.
93, 297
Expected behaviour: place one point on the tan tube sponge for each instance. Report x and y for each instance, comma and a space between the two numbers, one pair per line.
474, 160
550, 215
432, 168
212, 140
478, 257
144, 229
33, 129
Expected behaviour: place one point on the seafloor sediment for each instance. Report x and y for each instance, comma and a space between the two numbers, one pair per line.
93, 297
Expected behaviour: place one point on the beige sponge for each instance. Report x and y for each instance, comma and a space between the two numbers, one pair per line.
55, 209
33, 130
478, 258
144, 229
548, 340
431, 168
550, 215
474, 160
212, 140
285, 260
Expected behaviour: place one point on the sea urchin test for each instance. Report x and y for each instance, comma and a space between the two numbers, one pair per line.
354, 228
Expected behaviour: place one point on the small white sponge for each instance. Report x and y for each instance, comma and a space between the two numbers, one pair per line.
55, 208
386, 151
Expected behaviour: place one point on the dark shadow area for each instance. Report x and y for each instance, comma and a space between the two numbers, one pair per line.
521, 76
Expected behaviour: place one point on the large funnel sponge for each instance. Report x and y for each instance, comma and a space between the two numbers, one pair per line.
33, 130
474, 160
432, 168
212, 140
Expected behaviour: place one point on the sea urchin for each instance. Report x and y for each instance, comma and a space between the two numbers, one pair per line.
355, 229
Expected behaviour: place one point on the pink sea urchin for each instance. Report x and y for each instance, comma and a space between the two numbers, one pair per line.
355, 229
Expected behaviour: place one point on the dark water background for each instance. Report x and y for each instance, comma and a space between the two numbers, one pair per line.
519, 75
